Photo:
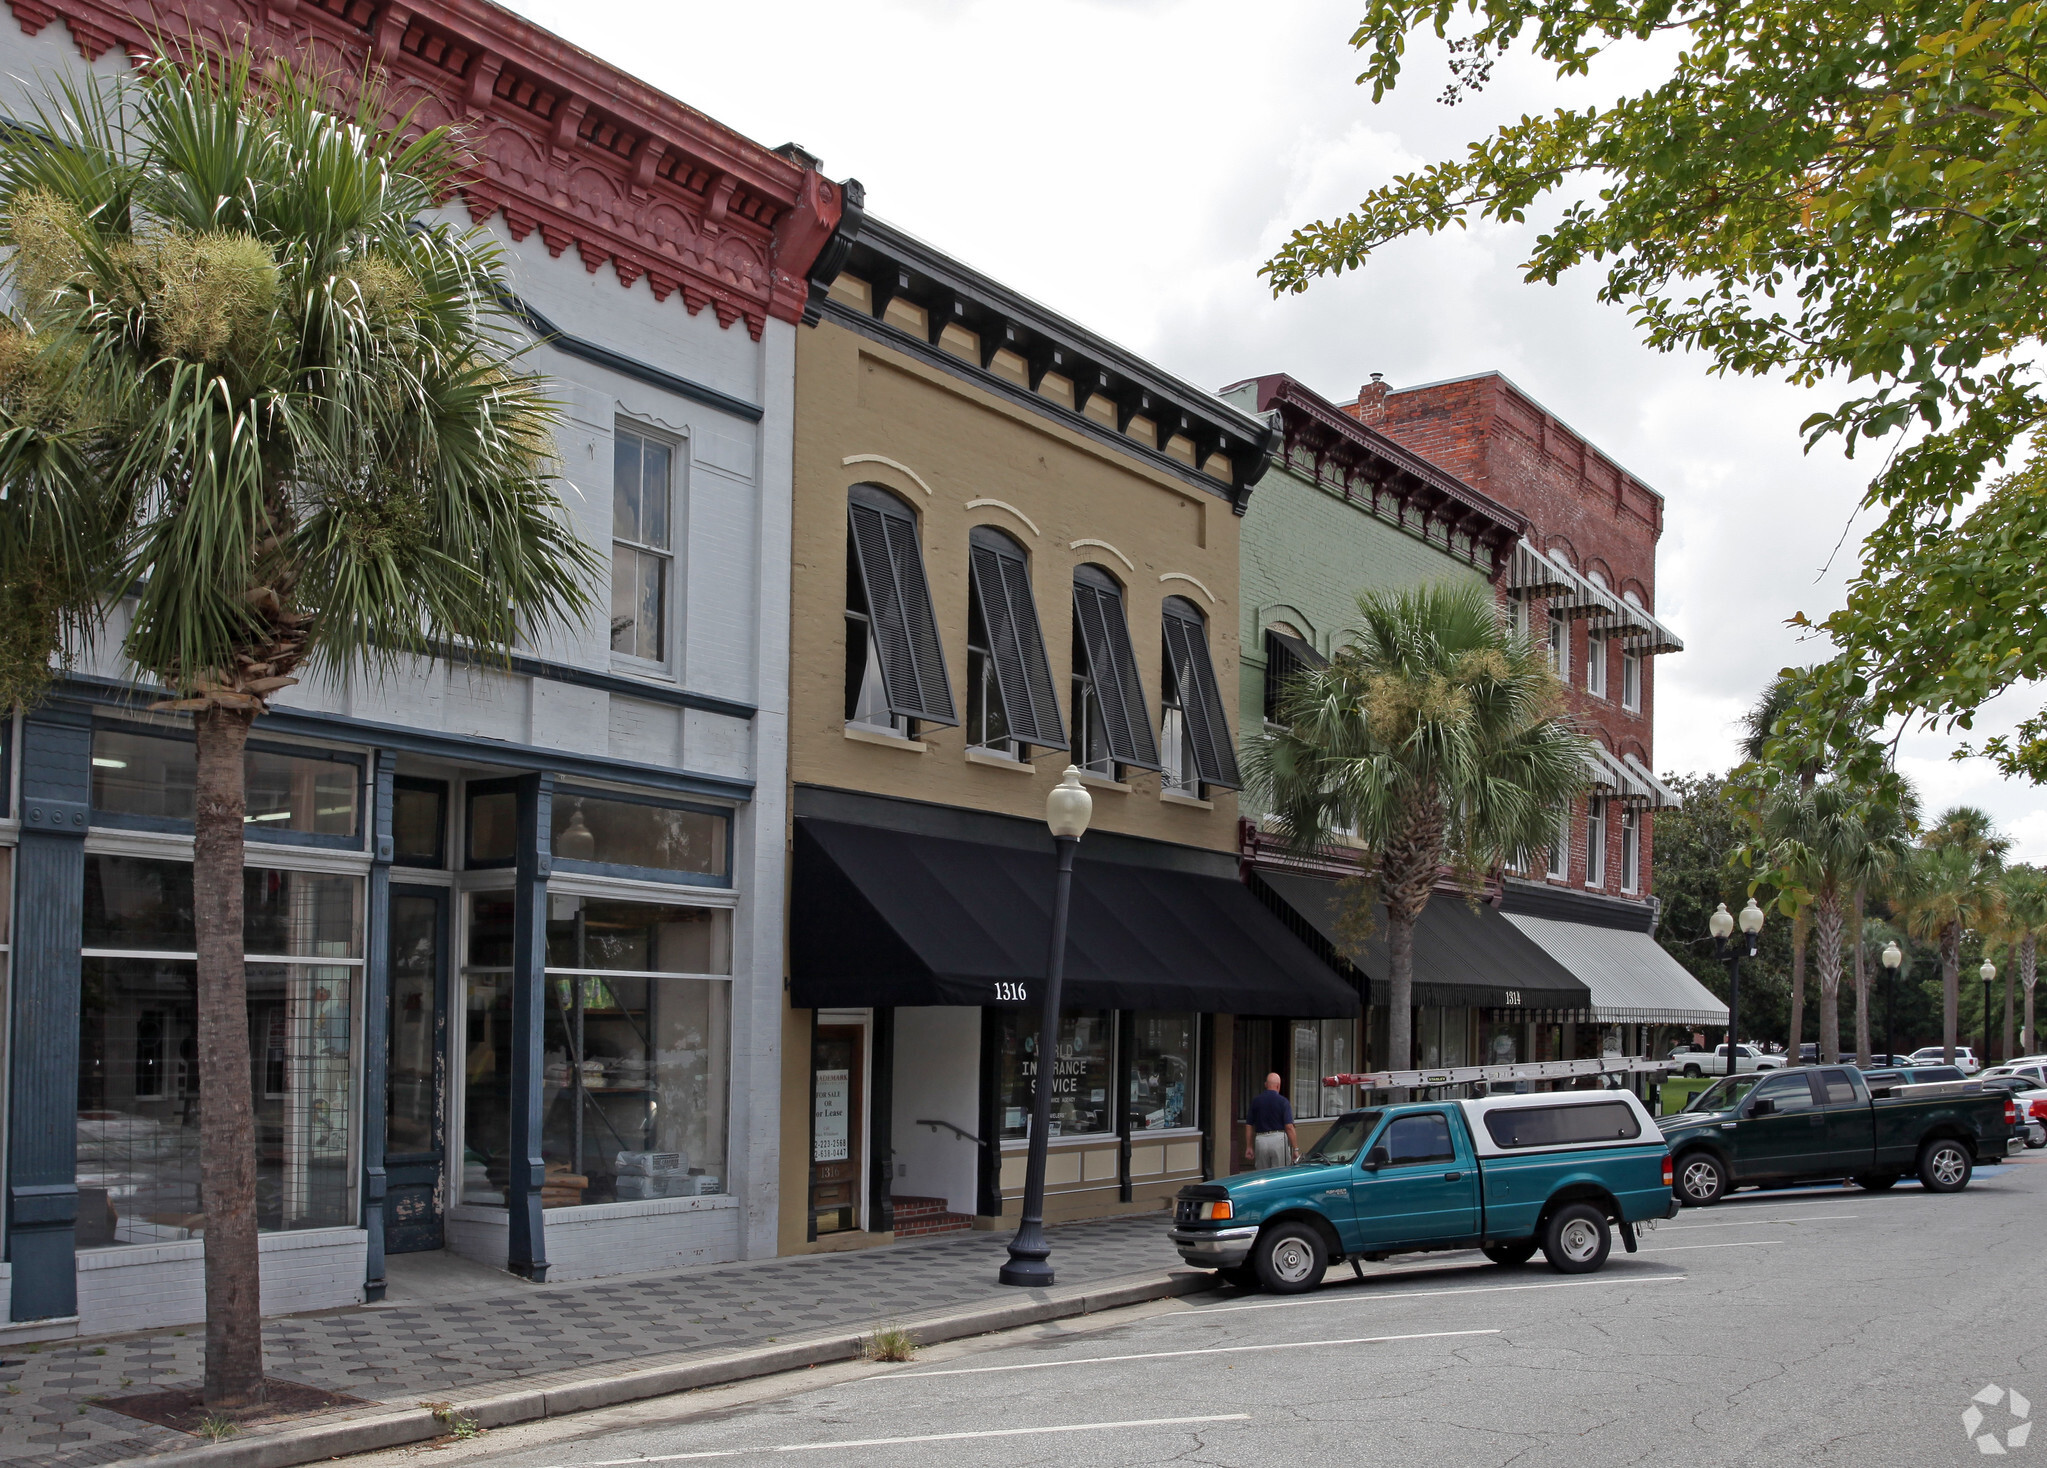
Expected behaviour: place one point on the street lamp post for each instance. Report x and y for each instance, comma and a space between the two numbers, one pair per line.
1067, 810
1721, 924
1988, 973
1893, 956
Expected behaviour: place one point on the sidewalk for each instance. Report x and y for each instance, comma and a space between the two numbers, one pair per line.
483, 1343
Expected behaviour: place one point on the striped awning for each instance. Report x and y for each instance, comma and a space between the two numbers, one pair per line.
1571, 593
1625, 779
1665, 797
1532, 573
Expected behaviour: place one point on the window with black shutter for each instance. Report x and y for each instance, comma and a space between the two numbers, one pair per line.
1010, 698
895, 664
1286, 657
1110, 723
1196, 733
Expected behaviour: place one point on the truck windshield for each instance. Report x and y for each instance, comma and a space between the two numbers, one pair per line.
1724, 1095
1340, 1144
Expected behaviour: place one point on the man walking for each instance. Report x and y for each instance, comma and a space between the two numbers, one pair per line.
1269, 1139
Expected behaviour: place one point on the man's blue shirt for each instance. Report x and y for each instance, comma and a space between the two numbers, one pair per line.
1269, 1112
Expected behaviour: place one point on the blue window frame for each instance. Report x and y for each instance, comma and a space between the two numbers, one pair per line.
490, 824
143, 780
614, 834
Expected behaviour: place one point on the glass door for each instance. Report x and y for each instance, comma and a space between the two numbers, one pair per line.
415, 1138
838, 1054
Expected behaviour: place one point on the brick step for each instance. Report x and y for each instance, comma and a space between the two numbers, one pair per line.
916, 1217
915, 1207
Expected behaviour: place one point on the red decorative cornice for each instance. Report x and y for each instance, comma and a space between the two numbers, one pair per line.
562, 142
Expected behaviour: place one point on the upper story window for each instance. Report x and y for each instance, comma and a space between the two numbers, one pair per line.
302, 797
1010, 700
895, 664
1558, 639
1595, 664
1631, 849
1560, 847
1110, 724
1595, 843
642, 555
1631, 681
1287, 655
1194, 737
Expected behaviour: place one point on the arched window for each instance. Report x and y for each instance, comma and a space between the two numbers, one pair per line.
1110, 725
1287, 654
1194, 735
895, 664
1010, 698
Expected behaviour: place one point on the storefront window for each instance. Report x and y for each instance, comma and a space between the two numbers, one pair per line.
419, 823
635, 1065
1323, 1047
138, 1081
493, 835
149, 780
1443, 1036
1082, 1078
1164, 1070
631, 833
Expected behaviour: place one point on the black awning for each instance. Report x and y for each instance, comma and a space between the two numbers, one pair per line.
1462, 955
884, 917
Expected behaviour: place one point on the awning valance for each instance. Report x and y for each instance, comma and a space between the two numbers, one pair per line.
885, 917
1631, 978
1462, 955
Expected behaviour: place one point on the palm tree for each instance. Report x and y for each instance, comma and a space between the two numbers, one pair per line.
295, 405
1821, 841
2025, 918
1436, 740
1766, 720
1889, 822
1947, 890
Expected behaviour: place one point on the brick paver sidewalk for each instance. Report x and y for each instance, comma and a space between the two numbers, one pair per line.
413, 1352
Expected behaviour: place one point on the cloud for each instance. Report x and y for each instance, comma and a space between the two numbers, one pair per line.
1131, 163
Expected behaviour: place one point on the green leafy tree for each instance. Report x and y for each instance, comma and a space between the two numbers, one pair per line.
1817, 190
243, 358
1436, 741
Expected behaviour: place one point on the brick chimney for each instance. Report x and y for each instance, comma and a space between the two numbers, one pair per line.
1371, 403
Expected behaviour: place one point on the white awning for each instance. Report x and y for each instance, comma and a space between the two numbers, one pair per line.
1665, 796
1632, 979
1627, 781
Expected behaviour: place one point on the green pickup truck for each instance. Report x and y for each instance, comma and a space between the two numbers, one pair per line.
1817, 1122
1559, 1171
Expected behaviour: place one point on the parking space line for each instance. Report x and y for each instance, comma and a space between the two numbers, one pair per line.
1353, 1295
1743, 1244
1360, 1340
1762, 1222
923, 1437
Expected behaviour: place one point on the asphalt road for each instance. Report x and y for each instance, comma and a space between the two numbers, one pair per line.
1820, 1325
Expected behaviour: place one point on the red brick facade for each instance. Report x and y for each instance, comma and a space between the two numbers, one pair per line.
1606, 522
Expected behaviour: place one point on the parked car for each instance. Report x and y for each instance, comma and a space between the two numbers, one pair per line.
1830, 1121
1558, 1171
1699, 1061
1937, 1055
1882, 1082
2034, 1071
2033, 1116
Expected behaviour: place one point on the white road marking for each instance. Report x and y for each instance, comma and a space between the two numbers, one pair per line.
1744, 1244
927, 1437
1362, 1340
1765, 1222
1352, 1297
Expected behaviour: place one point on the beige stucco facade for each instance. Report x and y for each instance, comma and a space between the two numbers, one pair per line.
960, 456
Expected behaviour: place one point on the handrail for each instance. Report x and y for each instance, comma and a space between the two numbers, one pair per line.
963, 1135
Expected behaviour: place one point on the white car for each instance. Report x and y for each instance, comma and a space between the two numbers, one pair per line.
2033, 1070
1965, 1058
1694, 1060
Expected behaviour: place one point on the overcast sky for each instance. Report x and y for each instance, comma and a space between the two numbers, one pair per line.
1131, 163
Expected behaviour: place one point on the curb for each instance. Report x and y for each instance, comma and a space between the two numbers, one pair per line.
289, 1446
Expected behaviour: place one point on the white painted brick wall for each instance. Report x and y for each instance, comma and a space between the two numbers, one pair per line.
633, 1238
143, 1286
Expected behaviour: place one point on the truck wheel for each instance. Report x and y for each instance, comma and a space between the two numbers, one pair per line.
1701, 1180
1290, 1259
1518, 1252
1692, 1071
1877, 1182
1945, 1166
1576, 1239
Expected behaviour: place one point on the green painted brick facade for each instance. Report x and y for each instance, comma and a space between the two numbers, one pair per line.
1306, 554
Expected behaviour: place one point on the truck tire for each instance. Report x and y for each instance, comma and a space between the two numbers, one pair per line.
1692, 1071
1945, 1166
1701, 1180
1520, 1251
1577, 1239
1290, 1259
1877, 1182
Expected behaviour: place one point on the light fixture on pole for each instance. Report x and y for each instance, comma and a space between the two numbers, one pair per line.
1893, 956
1721, 925
1988, 972
1067, 810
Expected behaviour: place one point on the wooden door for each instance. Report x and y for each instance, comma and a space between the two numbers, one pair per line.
838, 1054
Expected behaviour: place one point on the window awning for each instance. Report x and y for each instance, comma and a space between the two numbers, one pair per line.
1631, 978
886, 917
1461, 956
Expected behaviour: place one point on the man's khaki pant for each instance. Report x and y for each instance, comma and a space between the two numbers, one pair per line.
1269, 1150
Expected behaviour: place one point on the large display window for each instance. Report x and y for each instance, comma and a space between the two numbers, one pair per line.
138, 1080
635, 1078
1082, 1078
1164, 1070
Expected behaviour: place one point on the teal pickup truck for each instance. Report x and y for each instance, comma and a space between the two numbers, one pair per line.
1832, 1121
1558, 1171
